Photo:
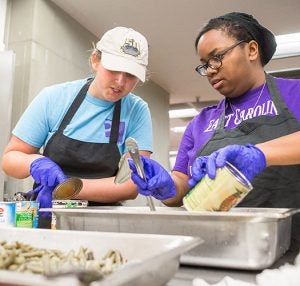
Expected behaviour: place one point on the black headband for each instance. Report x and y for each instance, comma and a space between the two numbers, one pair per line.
264, 37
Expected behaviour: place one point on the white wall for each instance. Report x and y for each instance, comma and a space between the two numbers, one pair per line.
7, 66
3, 5
158, 100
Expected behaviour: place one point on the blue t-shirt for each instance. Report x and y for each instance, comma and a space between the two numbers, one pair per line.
92, 121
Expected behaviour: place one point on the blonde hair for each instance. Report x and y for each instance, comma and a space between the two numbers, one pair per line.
93, 52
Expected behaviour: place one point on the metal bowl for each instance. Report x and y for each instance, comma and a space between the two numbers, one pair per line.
68, 189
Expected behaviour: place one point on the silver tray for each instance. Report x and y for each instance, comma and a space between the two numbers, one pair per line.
244, 238
147, 255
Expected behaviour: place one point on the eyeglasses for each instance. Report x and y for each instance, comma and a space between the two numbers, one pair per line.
215, 62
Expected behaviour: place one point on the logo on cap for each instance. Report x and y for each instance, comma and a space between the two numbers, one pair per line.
131, 47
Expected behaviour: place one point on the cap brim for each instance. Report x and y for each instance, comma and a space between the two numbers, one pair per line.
116, 63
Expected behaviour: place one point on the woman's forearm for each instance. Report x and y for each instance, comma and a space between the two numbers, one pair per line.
106, 191
283, 150
181, 184
17, 164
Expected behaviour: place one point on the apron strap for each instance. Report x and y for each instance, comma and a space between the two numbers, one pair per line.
74, 106
77, 102
114, 133
275, 94
221, 122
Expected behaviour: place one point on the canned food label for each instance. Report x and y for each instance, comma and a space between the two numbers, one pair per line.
24, 219
69, 204
27, 214
7, 214
219, 194
59, 204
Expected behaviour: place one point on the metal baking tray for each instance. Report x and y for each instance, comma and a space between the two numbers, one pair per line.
147, 255
243, 238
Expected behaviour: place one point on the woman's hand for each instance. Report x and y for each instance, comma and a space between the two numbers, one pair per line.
248, 159
45, 172
158, 184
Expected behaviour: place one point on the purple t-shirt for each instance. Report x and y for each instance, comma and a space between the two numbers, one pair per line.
247, 106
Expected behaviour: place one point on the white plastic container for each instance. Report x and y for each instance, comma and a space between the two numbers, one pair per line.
147, 255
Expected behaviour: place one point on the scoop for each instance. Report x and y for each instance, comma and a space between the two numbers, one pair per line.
68, 189
124, 171
133, 150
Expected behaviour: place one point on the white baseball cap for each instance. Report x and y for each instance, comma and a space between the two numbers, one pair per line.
124, 49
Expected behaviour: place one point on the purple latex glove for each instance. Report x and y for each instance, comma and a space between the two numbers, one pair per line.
159, 183
248, 159
44, 197
47, 173
198, 170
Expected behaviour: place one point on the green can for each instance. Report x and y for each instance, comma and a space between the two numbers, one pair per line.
27, 214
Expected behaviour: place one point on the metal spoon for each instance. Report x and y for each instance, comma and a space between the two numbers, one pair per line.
124, 172
133, 150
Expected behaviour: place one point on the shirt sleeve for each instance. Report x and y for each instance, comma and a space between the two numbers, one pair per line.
185, 147
140, 126
33, 125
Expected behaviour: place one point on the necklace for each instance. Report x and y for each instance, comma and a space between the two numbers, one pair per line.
233, 109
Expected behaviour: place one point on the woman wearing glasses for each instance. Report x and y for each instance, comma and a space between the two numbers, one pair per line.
255, 126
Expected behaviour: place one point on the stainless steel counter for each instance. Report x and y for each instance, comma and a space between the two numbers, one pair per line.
244, 238
246, 241
186, 274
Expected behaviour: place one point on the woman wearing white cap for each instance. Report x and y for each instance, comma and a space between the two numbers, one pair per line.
83, 124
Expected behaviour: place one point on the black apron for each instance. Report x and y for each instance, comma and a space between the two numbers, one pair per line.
276, 186
84, 159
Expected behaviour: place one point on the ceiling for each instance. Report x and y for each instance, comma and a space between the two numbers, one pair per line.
171, 27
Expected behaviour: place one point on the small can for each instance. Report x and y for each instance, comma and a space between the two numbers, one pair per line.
69, 204
66, 204
7, 214
228, 189
27, 213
